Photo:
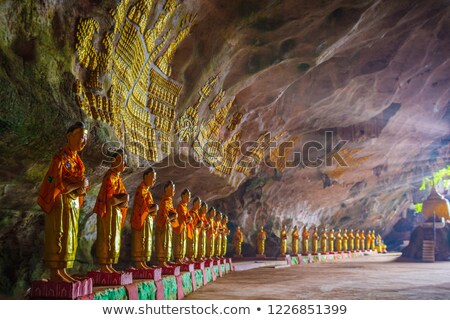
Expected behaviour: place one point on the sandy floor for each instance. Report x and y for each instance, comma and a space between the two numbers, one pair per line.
370, 277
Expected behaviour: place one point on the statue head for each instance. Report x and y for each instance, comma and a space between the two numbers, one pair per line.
120, 160
238, 228
218, 216
261, 228
186, 196
149, 177
196, 203
211, 212
203, 208
295, 228
225, 218
76, 136
169, 188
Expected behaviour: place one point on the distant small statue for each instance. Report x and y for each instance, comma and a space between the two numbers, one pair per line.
261, 241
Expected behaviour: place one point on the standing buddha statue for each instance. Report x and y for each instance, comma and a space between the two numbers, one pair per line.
238, 238
331, 239
261, 241
357, 241
315, 241
210, 233
351, 240
218, 235
180, 230
345, 241
203, 227
295, 239
283, 241
339, 241
323, 241
225, 233
362, 240
144, 211
166, 216
111, 209
193, 231
305, 241
61, 197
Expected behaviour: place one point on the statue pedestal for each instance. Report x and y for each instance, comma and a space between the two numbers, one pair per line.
153, 273
218, 263
48, 289
199, 265
237, 256
111, 279
260, 256
171, 270
187, 267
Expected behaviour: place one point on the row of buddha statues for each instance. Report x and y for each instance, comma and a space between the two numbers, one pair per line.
182, 233
341, 241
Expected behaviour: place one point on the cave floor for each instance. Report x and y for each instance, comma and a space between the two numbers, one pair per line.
383, 276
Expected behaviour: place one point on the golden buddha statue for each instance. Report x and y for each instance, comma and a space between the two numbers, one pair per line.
295, 239
351, 240
380, 246
369, 240
144, 211
373, 238
193, 230
238, 239
166, 216
315, 241
225, 233
203, 227
357, 241
111, 209
60, 197
180, 230
323, 241
345, 241
283, 241
210, 234
339, 241
218, 235
331, 239
261, 241
362, 240
305, 241
436, 204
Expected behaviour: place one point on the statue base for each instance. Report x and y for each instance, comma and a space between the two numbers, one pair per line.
199, 265
209, 263
153, 273
48, 289
237, 256
171, 270
187, 267
260, 256
111, 279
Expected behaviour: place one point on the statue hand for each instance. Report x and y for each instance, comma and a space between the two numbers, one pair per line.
81, 191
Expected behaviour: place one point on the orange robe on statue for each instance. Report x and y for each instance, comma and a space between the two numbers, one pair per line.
142, 225
62, 209
180, 232
192, 233
110, 219
163, 232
